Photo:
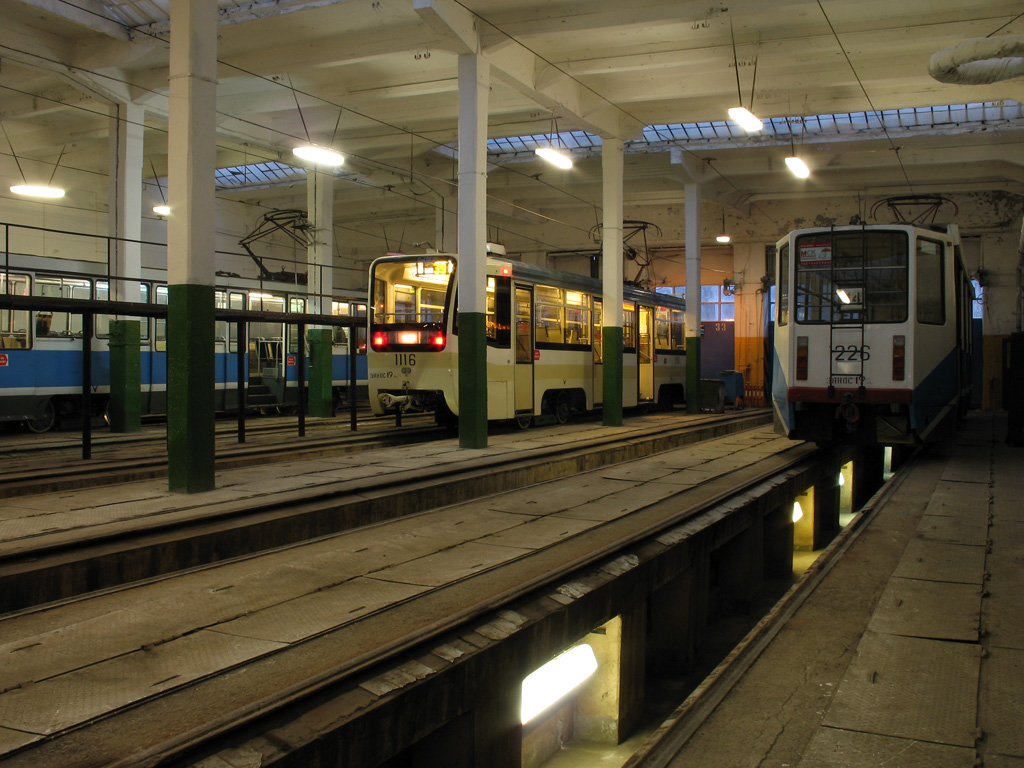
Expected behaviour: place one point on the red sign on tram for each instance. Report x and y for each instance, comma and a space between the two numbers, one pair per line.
536, 354
3, 360
291, 359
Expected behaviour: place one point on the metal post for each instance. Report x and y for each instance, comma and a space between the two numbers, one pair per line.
87, 385
300, 360
242, 346
353, 350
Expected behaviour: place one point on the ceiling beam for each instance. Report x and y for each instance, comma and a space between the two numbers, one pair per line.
90, 14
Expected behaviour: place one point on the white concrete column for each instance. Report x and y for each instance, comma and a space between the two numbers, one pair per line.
692, 316
192, 141
320, 204
691, 209
612, 162
474, 84
127, 124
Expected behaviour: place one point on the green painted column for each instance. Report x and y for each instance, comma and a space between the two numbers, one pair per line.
191, 245
125, 407
472, 380
611, 408
693, 374
320, 388
190, 388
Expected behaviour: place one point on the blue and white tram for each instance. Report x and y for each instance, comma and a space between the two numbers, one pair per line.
544, 341
41, 352
872, 338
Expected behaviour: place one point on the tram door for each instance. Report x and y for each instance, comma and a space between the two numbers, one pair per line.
524, 350
645, 352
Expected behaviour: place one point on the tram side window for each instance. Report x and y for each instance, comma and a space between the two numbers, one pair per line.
678, 329
235, 301
220, 328
931, 287
296, 305
63, 324
577, 311
550, 320
628, 327
160, 341
598, 331
669, 334
346, 309
14, 322
499, 310
103, 321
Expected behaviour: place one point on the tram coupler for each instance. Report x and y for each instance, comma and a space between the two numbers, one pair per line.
849, 412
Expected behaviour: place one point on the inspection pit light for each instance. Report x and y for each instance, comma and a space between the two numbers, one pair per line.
563, 674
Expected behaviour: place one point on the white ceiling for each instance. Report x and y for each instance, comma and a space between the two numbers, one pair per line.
377, 80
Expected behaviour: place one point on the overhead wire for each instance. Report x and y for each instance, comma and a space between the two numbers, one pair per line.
892, 144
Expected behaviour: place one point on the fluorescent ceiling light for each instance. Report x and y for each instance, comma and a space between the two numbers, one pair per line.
562, 674
554, 157
723, 238
162, 210
31, 190
319, 155
746, 119
798, 167
843, 295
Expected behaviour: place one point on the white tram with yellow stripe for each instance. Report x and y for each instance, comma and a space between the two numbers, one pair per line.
544, 341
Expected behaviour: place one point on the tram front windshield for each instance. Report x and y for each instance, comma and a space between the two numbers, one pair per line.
411, 293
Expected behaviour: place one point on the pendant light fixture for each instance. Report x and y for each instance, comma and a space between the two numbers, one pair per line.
309, 151
163, 209
319, 155
746, 119
796, 166
553, 152
44, 191
722, 236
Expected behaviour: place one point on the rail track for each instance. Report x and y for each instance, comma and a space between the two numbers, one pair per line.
34, 464
283, 649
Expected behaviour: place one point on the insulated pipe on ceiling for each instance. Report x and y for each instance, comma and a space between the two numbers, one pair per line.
979, 61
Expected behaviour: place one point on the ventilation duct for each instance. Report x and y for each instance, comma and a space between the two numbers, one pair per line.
979, 61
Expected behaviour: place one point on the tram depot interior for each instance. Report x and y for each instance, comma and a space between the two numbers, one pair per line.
850, 88
845, 86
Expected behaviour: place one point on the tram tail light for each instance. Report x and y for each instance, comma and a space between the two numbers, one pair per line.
437, 340
801, 358
899, 358
379, 340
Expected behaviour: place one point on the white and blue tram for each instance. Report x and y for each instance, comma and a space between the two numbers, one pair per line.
41, 351
872, 336
544, 341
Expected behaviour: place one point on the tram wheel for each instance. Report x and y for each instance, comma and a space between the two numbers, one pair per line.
45, 419
563, 407
524, 420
